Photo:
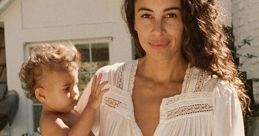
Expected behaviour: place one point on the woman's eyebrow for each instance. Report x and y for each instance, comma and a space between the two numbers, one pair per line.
172, 8
145, 9
150, 10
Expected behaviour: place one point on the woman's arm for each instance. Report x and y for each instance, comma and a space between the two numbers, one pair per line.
228, 118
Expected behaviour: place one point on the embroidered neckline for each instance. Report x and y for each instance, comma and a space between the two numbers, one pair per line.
194, 79
132, 76
133, 72
113, 103
189, 109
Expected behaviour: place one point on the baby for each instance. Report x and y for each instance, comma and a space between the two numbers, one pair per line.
50, 76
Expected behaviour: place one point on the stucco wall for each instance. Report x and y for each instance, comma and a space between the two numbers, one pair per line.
224, 7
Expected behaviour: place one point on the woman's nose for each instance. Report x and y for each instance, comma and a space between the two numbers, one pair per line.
158, 27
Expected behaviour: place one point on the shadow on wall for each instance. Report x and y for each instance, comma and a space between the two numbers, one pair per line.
9, 102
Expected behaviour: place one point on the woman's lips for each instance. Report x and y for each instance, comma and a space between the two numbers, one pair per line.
159, 44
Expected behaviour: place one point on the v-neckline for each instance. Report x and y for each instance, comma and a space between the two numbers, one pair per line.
131, 86
133, 76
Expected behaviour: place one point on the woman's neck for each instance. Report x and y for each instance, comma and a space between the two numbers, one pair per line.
162, 71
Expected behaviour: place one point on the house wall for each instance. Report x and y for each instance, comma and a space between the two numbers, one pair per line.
224, 7
246, 24
40, 20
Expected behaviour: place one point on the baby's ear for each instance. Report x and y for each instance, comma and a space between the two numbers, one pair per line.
39, 94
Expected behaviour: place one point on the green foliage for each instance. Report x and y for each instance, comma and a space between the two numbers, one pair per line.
87, 70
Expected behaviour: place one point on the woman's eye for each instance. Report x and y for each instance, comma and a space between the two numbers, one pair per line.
171, 15
146, 16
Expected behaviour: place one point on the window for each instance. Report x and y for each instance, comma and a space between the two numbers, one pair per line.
94, 54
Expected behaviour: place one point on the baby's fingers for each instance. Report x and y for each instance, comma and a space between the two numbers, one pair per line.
96, 81
94, 84
103, 92
100, 87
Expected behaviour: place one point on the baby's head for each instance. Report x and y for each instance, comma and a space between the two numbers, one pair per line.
50, 75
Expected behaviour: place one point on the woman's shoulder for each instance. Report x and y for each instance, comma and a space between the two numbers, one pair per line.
114, 67
199, 80
116, 72
203, 81
109, 68
224, 89
206, 81
218, 86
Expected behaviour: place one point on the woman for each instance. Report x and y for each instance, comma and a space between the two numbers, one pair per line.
184, 83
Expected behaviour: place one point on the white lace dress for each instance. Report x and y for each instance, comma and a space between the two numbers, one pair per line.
207, 106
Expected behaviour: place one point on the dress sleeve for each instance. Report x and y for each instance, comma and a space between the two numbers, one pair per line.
228, 118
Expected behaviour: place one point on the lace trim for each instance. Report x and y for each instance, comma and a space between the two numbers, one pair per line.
173, 99
132, 75
202, 76
111, 102
195, 80
190, 109
187, 79
119, 77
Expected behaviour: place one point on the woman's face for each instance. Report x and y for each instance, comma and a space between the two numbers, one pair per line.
159, 27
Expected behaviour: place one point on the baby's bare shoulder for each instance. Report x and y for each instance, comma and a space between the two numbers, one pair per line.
53, 124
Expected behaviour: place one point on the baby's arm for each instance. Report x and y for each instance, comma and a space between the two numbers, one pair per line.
52, 125
85, 122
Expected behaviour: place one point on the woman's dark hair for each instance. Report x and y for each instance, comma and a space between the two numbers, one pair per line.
129, 16
204, 42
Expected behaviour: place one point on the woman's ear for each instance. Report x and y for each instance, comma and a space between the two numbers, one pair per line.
40, 94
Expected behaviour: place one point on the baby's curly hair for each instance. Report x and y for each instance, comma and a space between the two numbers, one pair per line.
47, 56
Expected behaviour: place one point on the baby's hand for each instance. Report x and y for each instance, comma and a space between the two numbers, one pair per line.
97, 92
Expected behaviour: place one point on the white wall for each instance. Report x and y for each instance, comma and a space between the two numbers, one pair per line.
225, 15
246, 24
42, 20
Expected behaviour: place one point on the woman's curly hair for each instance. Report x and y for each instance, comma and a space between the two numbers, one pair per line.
204, 41
52, 56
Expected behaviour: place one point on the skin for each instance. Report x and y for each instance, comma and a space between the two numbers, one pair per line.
160, 28
60, 90
161, 71
58, 93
